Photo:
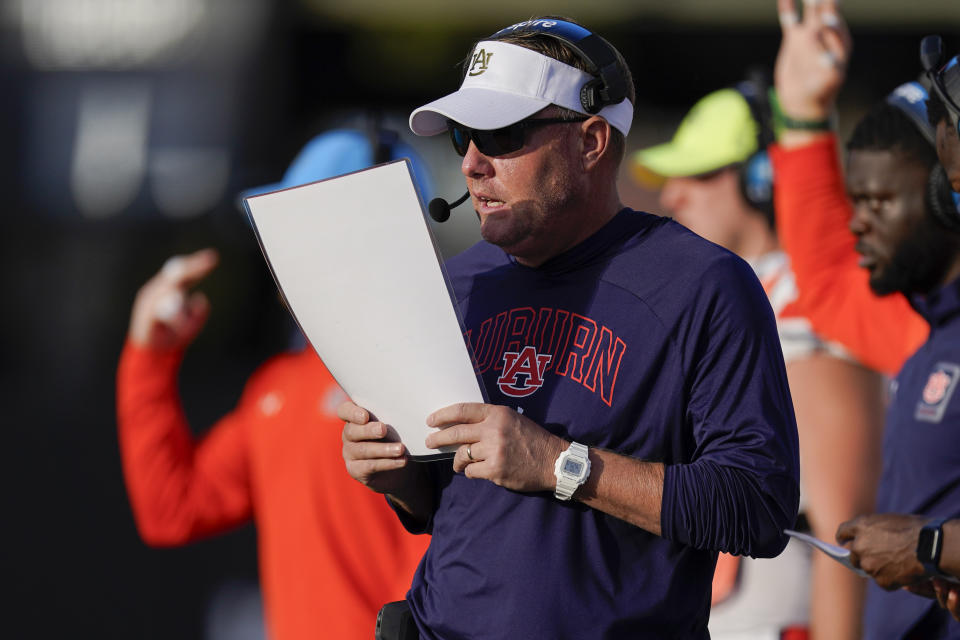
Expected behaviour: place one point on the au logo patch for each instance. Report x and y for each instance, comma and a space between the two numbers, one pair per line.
480, 63
936, 393
522, 372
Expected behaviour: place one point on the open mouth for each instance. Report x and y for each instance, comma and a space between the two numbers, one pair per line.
490, 203
867, 259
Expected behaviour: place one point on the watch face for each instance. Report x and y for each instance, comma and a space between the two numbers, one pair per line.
927, 544
572, 467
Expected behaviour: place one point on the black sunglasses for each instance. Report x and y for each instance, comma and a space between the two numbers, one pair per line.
497, 142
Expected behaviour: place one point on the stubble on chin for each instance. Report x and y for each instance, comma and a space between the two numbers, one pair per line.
919, 263
501, 233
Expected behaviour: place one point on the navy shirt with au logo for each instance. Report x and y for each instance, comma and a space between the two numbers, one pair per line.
921, 449
648, 341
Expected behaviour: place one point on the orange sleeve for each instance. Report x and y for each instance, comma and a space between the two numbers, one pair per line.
180, 489
834, 292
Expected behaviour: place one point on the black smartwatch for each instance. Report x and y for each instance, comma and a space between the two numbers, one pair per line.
929, 546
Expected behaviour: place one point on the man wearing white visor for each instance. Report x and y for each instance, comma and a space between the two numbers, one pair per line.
638, 417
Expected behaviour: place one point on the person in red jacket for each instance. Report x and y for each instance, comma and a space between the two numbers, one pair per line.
330, 552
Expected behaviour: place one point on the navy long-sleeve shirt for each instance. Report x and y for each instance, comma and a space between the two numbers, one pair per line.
648, 341
921, 458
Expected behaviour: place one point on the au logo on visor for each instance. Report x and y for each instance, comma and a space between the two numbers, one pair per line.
480, 62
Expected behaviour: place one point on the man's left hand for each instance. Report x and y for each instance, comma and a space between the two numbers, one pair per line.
497, 444
948, 595
885, 546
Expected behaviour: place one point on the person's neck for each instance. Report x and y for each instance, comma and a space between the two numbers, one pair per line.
602, 208
756, 241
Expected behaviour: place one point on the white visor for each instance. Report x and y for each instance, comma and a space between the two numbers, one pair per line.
507, 83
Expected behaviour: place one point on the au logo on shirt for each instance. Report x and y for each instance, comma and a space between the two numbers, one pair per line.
936, 393
522, 372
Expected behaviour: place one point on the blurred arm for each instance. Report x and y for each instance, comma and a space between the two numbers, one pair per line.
180, 490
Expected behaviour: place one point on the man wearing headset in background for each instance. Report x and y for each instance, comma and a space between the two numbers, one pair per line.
330, 552
640, 418
909, 243
715, 178
915, 551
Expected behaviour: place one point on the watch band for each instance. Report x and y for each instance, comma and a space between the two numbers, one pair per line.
930, 545
565, 488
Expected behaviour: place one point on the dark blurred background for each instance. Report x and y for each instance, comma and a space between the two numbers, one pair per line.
127, 128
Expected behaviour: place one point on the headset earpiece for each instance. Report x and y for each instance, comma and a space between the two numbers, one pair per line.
589, 96
756, 183
942, 201
911, 100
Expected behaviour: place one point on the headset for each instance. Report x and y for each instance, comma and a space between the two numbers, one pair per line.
942, 200
608, 86
756, 172
911, 100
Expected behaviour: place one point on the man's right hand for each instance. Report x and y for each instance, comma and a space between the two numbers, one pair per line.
375, 457
813, 57
165, 314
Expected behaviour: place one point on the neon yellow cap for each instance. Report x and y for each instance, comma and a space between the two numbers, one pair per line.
717, 132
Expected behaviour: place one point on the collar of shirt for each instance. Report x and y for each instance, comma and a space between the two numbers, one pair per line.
940, 305
611, 234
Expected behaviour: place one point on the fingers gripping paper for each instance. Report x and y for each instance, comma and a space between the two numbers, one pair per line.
354, 258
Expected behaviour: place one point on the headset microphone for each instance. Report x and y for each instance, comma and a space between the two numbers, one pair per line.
440, 208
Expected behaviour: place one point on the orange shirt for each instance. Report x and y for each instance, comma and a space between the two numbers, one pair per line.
833, 291
331, 551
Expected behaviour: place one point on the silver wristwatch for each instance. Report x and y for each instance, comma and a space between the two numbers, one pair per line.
572, 469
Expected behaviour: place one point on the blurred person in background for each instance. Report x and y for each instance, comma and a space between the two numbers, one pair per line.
903, 550
330, 552
715, 178
909, 253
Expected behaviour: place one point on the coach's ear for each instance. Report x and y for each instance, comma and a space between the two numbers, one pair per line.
596, 135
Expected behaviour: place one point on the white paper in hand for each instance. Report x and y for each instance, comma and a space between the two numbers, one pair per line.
838, 553
355, 260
